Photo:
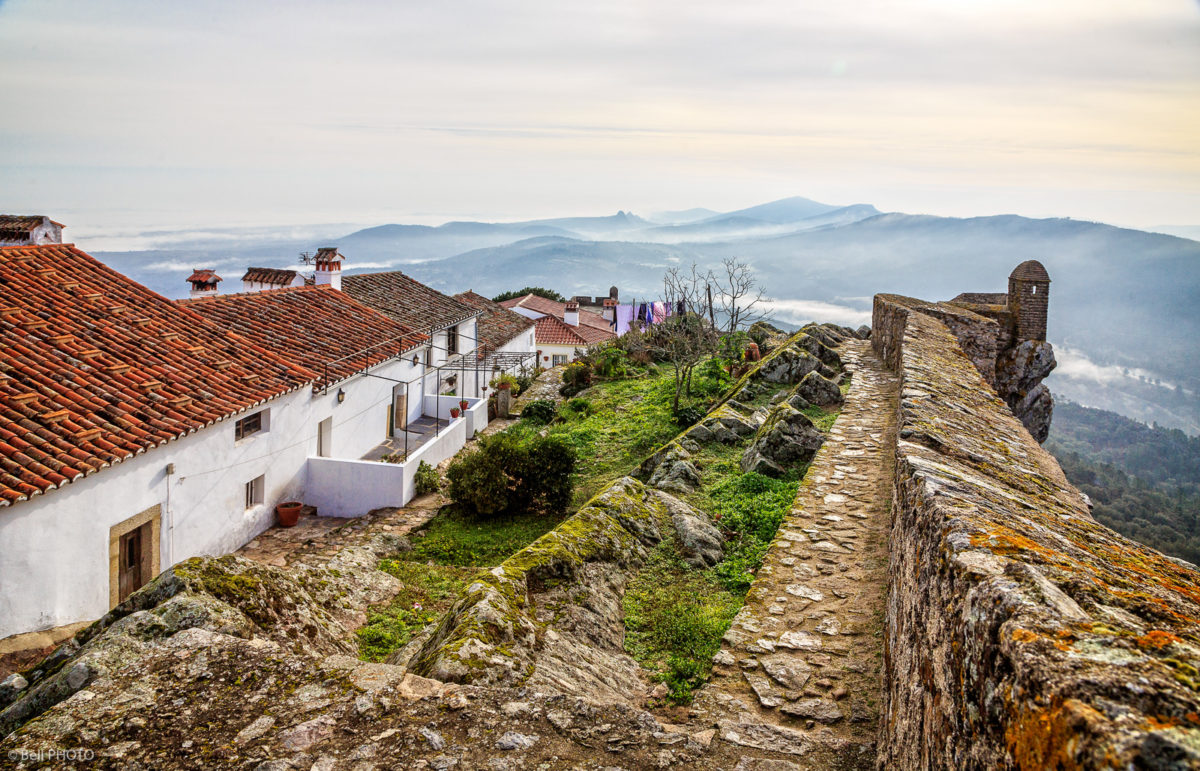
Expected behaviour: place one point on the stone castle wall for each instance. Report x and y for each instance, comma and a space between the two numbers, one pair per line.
1020, 633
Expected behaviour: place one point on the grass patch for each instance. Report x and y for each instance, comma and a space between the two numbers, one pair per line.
674, 619
458, 538
427, 592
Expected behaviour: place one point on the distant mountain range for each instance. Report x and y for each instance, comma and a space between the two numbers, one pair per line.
1123, 310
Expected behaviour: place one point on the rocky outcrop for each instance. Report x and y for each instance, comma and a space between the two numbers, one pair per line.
550, 616
305, 608
817, 389
1020, 632
787, 437
1020, 371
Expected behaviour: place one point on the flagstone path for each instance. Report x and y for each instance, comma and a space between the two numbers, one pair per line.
799, 671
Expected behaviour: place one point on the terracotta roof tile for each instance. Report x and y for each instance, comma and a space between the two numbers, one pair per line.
553, 331
205, 275
539, 304
86, 390
498, 324
407, 300
312, 326
280, 276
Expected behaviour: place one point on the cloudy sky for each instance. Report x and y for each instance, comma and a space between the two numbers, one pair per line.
165, 115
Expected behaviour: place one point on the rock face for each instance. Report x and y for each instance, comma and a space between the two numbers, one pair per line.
787, 437
1019, 374
817, 389
1020, 633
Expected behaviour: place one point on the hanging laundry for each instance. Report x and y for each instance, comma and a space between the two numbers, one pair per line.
643, 314
624, 317
659, 311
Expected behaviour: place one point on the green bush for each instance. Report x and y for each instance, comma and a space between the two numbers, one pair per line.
426, 479
522, 384
689, 416
580, 407
509, 474
576, 377
540, 411
610, 362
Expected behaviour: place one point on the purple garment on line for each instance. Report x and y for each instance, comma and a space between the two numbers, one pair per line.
660, 312
624, 316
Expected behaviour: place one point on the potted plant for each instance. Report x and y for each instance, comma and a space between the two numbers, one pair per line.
288, 513
453, 413
463, 404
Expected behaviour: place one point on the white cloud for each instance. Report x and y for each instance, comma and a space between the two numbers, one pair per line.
803, 311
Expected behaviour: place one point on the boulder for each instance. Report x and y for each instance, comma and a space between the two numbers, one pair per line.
818, 347
864, 332
678, 476
1019, 374
700, 542
786, 438
789, 365
1035, 409
728, 425
819, 390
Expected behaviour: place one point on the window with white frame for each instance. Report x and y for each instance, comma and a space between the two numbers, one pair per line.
452, 340
559, 358
254, 491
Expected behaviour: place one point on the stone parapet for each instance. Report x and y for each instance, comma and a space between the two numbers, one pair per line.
1020, 633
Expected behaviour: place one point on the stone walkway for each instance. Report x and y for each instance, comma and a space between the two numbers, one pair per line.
799, 671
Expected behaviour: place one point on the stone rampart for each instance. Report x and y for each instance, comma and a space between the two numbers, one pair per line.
1020, 632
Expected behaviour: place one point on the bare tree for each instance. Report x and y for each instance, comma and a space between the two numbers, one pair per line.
686, 337
740, 299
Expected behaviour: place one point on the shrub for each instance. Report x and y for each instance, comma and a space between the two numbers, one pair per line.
579, 406
503, 380
522, 384
507, 474
576, 377
539, 411
689, 416
610, 362
426, 479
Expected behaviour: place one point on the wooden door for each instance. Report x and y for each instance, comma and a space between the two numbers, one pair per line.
131, 575
400, 411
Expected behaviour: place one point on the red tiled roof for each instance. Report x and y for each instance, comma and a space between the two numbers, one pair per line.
96, 368
275, 276
204, 275
407, 300
498, 324
539, 304
312, 326
15, 227
553, 331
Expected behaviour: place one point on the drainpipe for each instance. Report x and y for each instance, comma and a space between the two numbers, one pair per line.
170, 518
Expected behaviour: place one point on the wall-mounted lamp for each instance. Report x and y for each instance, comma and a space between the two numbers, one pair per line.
416, 360
341, 396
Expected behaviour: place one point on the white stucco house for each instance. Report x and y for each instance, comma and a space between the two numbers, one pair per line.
136, 432
562, 330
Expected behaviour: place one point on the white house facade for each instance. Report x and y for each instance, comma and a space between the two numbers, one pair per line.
179, 427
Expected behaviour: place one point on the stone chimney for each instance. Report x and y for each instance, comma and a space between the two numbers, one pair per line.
571, 314
610, 309
204, 282
329, 267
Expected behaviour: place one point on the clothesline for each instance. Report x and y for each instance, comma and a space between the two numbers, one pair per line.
644, 314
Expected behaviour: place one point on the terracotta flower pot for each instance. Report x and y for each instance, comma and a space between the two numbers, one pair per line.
453, 412
288, 513
463, 405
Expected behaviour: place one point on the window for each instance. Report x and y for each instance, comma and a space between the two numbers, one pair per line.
254, 491
452, 340
249, 425
559, 358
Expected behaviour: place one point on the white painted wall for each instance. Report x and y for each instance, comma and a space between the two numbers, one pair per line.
522, 343
548, 351
527, 313
54, 548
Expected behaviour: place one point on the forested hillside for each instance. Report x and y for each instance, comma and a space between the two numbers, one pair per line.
1144, 480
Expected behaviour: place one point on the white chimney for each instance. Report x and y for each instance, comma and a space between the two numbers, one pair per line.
329, 267
610, 309
204, 282
571, 314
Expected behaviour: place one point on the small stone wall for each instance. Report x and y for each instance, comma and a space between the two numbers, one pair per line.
1020, 632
